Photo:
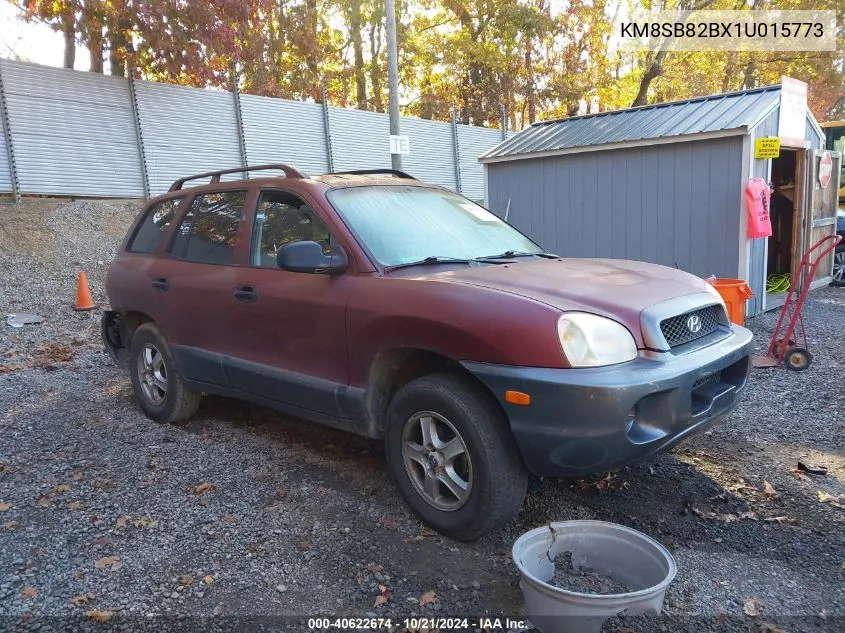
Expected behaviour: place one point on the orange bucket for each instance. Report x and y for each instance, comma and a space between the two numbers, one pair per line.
735, 292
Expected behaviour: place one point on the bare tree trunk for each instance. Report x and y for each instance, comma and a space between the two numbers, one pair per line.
749, 80
654, 70
69, 31
375, 65
531, 95
358, 50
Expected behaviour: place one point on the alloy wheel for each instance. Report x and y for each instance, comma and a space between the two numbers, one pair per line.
437, 461
152, 374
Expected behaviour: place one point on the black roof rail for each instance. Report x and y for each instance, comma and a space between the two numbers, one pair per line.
290, 172
373, 172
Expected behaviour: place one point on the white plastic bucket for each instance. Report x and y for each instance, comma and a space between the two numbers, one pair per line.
609, 549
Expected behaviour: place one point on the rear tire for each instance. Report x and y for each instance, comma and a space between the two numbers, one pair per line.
159, 387
463, 475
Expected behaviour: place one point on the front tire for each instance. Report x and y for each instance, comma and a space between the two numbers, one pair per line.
452, 456
159, 388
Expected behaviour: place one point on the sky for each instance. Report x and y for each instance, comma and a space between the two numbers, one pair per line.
33, 42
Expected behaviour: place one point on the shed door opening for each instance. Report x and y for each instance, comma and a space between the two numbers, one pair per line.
785, 244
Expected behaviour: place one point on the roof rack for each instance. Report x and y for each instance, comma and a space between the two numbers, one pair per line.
372, 172
290, 172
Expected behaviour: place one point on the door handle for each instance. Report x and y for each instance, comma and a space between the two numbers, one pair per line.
246, 294
160, 284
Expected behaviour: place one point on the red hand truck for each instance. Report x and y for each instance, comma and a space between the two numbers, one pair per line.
783, 349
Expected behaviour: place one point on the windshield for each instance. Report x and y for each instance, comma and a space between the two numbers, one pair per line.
402, 224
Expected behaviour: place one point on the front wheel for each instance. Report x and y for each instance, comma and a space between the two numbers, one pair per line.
797, 358
452, 456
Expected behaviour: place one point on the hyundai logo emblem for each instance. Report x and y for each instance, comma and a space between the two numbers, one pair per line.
694, 323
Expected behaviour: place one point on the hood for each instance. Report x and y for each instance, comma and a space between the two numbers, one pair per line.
618, 289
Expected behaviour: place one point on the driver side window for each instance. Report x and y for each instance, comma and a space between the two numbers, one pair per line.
282, 218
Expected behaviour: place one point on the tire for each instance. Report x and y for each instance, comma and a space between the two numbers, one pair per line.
797, 358
159, 388
839, 267
465, 418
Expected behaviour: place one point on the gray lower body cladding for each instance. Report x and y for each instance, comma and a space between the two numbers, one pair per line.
584, 421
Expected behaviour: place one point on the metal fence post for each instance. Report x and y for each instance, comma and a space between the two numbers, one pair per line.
239, 118
139, 136
327, 128
456, 149
504, 122
10, 150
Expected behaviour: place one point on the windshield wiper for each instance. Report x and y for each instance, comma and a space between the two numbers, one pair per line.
428, 261
513, 254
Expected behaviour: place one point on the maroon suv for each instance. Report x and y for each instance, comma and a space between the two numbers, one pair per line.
375, 303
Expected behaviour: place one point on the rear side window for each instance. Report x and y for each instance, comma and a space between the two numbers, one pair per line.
210, 227
154, 226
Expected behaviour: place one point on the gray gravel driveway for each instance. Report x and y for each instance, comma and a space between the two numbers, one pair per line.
242, 512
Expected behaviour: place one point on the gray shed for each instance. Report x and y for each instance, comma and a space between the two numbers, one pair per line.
665, 184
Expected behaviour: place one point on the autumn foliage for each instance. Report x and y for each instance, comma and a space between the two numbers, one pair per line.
537, 58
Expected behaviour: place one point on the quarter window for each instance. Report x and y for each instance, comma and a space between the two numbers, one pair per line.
210, 228
154, 226
282, 218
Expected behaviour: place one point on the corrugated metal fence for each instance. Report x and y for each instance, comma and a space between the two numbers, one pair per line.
72, 133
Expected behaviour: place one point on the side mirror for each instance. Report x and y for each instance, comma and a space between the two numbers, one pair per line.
308, 257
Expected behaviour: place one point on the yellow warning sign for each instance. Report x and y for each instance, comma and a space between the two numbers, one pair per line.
768, 147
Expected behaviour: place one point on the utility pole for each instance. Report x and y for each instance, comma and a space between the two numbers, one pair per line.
392, 76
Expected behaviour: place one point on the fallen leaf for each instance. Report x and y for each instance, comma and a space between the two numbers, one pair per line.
100, 617
427, 598
726, 518
187, 580
11, 525
78, 574
799, 475
145, 522
752, 607
5, 468
74, 505
29, 592
208, 579
4, 506
102, 542
79, 476
780, 520
305, 544
230, 518
61, 489
204, 501
203, 488
825, 497
85, 598
380, 600
389, 522
43, 500
121, 522
112, 562
769, 491
721, 617
281, 493
274, 507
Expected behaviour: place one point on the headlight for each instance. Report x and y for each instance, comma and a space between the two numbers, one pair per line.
591, 341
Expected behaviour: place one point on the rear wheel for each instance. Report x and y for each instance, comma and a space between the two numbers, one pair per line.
839, 266
159, 388
452, 456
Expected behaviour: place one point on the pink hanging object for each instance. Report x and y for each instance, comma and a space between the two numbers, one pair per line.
757, 199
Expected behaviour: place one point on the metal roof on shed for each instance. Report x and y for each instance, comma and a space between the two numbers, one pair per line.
714, 113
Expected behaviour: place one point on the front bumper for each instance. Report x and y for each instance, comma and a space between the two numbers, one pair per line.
589, 420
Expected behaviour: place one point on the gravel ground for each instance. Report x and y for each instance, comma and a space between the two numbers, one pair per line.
242, 512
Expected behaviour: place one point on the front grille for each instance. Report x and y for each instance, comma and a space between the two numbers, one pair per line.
689, 326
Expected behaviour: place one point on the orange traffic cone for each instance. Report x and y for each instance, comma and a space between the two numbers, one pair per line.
84, 300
